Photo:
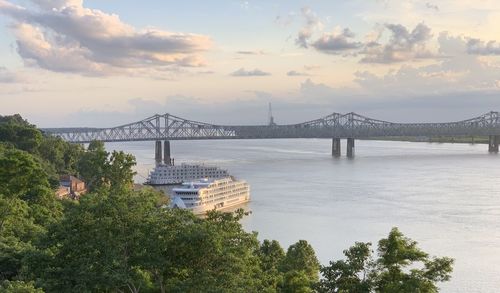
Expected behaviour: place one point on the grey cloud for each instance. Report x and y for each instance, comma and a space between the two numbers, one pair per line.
311, 67
335, 43
296, 73
244, 72
306, 32
432, 6
402, 46
58, 4
64, 36
256, 52
479, 47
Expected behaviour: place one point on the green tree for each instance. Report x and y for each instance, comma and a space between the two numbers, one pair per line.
27, 207
92, 165
400, 267
72, 153
98, 246
164, 228
296, 281
397, 266
100, 169
301, 257
14, 130
52, 149
351, 274
119, 170
22, 177
61, 155
19, 287
20, 173
216, 255
271, 257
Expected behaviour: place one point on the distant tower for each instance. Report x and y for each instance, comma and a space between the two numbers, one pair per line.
270, 116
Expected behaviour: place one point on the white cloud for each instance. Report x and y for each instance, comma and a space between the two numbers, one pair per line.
64, 36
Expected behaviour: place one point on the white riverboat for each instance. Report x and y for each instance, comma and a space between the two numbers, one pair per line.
166, 174
210, 194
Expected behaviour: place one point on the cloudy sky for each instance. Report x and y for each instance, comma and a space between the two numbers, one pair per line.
104, 63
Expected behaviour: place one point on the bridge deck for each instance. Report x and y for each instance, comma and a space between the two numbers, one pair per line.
351, 125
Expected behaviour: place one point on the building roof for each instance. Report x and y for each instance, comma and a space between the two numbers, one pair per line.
70, 178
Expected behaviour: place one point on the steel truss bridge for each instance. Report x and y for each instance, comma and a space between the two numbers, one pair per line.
336, 126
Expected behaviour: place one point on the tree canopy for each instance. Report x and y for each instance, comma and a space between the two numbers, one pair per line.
400, 267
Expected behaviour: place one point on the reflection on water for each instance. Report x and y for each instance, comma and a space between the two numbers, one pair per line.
445, 196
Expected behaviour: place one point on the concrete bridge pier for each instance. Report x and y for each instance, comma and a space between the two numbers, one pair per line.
350, 147
158, 152
493, 145
167, 159
336, 147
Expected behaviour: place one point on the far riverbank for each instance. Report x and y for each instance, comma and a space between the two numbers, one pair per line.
437, 139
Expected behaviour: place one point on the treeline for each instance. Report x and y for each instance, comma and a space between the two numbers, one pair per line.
115, 239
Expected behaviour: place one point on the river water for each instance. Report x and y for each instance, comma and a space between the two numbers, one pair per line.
445, 196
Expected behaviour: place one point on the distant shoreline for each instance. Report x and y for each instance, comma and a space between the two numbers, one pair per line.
443, 139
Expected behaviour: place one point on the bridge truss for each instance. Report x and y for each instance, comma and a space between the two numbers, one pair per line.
350, 125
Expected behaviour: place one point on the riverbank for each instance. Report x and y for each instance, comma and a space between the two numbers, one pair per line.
438, 139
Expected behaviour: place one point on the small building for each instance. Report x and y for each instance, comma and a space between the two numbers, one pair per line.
75, 186
63, 192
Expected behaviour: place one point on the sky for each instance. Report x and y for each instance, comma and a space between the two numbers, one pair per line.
104, 63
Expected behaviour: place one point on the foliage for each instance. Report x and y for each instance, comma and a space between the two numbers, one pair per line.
350, 275
14, 130
397, 254
296, 281
105, 252
228, 261
55, 155
99, 169
300, 257
400, 267
27, 206
92, 165
63, 156
125, 242
19, 287
271, 257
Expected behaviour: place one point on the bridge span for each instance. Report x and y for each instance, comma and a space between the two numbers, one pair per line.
336, 126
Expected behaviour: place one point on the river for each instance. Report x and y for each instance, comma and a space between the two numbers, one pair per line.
445, 196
